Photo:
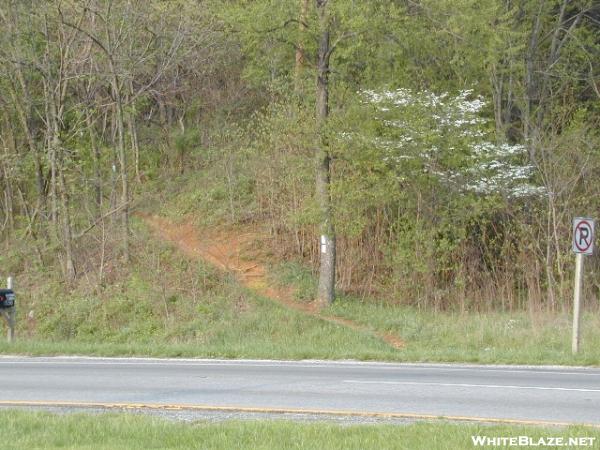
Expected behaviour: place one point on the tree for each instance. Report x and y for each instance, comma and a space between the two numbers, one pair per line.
326, 287
300, 50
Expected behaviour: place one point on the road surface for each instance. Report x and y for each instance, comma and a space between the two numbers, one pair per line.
468, 392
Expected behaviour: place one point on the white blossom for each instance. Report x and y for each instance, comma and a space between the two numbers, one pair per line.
493, 168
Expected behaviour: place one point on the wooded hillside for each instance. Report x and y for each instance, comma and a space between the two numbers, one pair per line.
432, 152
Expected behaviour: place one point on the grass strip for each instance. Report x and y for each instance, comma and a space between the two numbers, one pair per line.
43, 430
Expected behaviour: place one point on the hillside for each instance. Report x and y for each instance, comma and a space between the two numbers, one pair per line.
220, 291
394, 180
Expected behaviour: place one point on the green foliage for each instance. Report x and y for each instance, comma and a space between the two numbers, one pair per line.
296, 275
267, 30
225, 124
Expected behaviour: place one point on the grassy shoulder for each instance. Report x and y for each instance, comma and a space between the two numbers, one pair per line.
41, 430
521, 337
490, 338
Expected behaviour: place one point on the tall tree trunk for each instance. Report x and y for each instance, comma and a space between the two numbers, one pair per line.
123, 163
8, 140
66, 228
96, 152
531, 83
8, 200
300, 46
53, 148
24, 113
131, 124
60, 199
23, 105
326, 288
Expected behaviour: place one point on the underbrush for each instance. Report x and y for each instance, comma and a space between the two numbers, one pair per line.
163, 304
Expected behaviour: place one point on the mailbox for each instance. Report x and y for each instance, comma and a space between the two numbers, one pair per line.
7, 298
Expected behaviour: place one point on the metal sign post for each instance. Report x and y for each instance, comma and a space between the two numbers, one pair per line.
577, 303
583, 244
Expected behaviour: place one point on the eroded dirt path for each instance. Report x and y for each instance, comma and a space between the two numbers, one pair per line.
239, 253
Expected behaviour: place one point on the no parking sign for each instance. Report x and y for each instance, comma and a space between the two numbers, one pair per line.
583, 235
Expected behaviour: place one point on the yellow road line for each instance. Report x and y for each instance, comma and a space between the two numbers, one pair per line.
322, 412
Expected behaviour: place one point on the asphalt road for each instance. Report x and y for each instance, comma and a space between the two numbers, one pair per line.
554, 394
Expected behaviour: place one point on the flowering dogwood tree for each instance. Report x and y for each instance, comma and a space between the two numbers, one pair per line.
447, 137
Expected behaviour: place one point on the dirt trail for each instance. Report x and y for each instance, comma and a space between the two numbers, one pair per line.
236, 252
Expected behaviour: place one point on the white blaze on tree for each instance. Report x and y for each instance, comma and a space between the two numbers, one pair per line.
326, 286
